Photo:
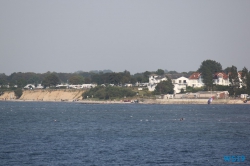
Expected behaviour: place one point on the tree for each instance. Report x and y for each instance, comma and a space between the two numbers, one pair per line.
207, 69
234, 80
164, 87
159, 72
172, 72
227, 70
146, 76
3, 81
115, 78
50, 80
207, 77
18, 93
248, 83
244, 76
132, 80
76, 79
212, 65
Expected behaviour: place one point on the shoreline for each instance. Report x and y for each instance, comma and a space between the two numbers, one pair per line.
69, 95
147, 101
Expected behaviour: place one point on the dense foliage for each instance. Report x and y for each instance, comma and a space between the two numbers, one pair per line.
50, 80
208, 68
164, 87
234, 80
110, 92
18, 93
76, 79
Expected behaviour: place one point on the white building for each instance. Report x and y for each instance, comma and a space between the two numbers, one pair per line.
180, 83
32, 86
29, 86
154, 79
221, 78
195, 80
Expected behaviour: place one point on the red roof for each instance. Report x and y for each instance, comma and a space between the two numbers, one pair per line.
220, 74
195, 75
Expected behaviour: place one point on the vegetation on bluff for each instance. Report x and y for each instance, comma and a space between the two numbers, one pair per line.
18, 93
109, 92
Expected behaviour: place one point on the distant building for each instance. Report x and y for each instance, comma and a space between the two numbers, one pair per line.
221, 78
195, 80
32, 86
154, 79
180, 81
29, 86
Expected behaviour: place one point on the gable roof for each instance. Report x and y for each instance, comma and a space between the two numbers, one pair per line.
175, 76
160, 77
220, 74
195, 75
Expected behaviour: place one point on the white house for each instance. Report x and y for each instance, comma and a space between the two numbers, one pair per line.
39, 86
195, 80
154, 79
79, 86
32, 86
221, 78
87, 86
29, 86
180, 83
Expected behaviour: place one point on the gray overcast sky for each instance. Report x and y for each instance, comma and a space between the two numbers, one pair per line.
136, 35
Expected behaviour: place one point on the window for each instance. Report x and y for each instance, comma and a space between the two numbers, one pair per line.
179, 81
184, 81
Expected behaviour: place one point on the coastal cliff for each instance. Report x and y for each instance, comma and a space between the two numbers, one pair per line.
52, 95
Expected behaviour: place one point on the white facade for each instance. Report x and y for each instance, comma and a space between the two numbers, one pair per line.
196, 83
180, 83
88, 85
151, 87
195, 80
29, 86
221, 79
32, 86
154, 79
82, 86
39, 86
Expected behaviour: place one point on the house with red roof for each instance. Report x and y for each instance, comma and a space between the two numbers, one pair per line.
195, 80
221, 78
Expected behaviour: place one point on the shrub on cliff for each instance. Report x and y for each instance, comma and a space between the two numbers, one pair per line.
101, 92
18, 93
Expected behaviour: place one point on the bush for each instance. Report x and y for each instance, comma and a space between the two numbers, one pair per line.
101, 92
18, 93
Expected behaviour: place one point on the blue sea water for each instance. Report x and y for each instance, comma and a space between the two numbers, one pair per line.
44, 133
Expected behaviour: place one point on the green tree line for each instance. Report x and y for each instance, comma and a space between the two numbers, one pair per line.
109, 92
208, 68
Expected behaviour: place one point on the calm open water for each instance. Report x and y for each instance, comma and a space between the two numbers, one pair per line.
43, 133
